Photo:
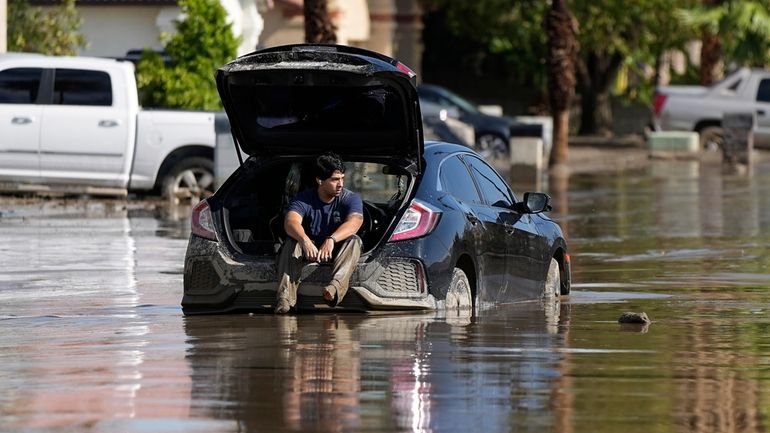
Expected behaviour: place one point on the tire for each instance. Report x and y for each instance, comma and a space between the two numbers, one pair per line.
552, 287
711, 138
190, 180
459, 294
491, 146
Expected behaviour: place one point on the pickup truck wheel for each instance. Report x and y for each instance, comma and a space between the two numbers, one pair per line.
711, 138
190, 180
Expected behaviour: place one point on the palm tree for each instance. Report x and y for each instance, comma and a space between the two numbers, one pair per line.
561, 28
746, 22
318, 25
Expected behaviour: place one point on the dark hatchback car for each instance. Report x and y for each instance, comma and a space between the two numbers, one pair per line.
441, 228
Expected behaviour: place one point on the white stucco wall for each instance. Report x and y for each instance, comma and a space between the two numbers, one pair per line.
3, 25
113, 30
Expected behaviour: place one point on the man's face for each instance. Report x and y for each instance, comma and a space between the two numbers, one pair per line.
332, 186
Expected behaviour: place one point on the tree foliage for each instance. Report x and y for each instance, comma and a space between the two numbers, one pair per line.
203, 41
53, 32
744, 26
612, 34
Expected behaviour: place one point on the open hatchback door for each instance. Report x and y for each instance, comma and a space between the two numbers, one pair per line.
301, 100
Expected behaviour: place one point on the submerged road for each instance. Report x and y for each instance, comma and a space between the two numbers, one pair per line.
92, 338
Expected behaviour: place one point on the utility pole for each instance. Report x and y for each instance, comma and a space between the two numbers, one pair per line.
3, 26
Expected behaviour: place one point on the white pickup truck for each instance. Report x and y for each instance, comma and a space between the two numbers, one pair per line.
74, 124
697, 108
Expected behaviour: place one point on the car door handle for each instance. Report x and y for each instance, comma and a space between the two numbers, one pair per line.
472, 218
761, 112
21, 120
108, 123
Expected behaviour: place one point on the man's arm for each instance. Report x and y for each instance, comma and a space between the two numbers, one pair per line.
344, 231
349, 227
293, 226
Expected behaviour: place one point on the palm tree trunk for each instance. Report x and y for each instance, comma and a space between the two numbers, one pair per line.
561, 28
318, 24
710, 51
710, 58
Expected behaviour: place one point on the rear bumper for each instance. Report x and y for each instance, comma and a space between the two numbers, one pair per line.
217, 282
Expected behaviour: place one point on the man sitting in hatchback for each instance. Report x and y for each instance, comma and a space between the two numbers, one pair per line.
321, 225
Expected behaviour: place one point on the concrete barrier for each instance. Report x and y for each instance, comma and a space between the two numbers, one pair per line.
738, 140
673, 143
527, 159
546, 123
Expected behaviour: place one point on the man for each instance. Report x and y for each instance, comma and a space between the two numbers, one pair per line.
321, 225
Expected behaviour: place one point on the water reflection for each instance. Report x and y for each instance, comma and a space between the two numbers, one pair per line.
676, 224
342, 373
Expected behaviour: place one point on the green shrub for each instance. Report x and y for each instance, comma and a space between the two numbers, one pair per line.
203, 42
53, 32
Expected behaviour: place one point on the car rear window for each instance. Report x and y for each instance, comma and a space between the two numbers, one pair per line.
456, 180
375, 182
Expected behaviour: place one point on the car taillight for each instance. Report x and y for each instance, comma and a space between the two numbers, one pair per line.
418, 220
405, 69
202, 222
657, 103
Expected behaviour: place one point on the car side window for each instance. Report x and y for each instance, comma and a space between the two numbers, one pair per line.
82, 87
20, 85
493, 188
763, 92
456, 180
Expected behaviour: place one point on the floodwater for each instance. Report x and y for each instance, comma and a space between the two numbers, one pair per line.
92, 338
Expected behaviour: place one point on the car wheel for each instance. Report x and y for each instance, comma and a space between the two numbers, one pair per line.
459, 294
712, 138
191, 180
552, 287
491, 146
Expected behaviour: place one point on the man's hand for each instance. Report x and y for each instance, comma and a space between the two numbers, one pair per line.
325, 253
310, 250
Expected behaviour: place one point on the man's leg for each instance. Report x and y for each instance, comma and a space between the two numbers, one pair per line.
289, 270
345, 262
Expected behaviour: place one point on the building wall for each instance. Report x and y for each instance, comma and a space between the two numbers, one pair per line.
393, 28
3, 25
111, 31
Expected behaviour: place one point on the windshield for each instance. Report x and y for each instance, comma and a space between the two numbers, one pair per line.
458, 100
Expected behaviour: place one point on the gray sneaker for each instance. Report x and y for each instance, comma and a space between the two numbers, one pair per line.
282, 306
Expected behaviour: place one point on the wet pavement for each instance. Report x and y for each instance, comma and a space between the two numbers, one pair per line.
92, 338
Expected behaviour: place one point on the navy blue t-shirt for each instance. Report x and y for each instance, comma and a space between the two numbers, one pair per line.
321, 219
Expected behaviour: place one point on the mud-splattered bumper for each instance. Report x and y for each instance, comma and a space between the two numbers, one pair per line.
216, 281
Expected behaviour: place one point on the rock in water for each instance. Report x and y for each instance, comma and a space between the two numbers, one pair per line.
629, 317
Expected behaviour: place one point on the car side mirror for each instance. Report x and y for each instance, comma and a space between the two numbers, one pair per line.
534, 202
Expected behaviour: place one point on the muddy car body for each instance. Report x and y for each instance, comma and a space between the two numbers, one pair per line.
441, 228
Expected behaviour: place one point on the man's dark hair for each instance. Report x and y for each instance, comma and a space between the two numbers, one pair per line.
326, 164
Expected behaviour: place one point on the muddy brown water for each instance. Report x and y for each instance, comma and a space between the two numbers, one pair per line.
92, 338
